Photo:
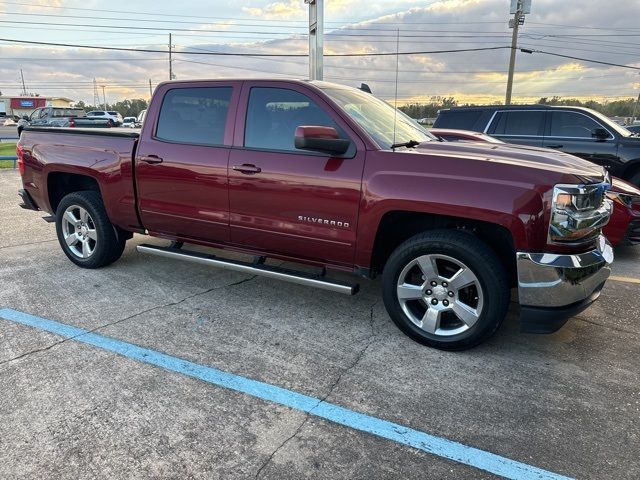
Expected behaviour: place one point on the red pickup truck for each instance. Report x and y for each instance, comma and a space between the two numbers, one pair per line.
330, 176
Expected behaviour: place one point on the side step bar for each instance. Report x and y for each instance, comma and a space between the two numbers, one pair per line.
256, 268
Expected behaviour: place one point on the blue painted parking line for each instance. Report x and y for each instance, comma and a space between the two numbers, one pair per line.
438, 446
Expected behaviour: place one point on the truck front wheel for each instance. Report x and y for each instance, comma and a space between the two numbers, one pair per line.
84, 231
446, 289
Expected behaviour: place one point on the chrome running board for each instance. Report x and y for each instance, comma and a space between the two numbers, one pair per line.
256, 268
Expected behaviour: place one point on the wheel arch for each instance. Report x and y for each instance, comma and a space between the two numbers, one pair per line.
397, 226
60, 184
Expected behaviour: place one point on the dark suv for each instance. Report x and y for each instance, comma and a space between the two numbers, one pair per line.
579, 131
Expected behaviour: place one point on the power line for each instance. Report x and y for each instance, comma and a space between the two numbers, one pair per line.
245, 54
526, 50
279, 22
481, 34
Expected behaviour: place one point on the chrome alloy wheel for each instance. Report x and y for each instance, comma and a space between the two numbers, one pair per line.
79, 231
440, 294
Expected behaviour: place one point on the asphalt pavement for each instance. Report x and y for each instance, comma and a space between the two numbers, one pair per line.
75, 404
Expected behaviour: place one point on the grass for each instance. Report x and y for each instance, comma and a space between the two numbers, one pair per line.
7, 149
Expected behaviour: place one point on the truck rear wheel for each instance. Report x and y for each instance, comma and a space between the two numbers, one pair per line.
446, 289
84, 231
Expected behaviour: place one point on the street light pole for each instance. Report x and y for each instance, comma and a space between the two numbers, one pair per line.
316, 38
514, 44
104, 98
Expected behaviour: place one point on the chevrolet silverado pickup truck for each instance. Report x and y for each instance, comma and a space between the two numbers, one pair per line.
332, 178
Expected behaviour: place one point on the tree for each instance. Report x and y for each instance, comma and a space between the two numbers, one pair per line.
126, 108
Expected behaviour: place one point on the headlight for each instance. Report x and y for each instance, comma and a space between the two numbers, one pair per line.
578, 212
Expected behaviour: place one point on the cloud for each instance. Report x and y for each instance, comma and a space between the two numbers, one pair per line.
278, 10
441, 25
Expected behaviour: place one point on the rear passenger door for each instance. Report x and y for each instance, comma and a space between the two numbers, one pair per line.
181, 162
572, 132
523, 127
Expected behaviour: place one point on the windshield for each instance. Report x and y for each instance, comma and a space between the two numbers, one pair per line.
377, 117
611, 124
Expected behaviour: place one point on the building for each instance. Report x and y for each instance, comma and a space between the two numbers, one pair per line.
21, 106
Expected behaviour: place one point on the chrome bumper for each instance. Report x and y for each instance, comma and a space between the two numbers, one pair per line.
554, 285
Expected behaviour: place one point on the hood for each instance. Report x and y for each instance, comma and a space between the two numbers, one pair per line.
518, 155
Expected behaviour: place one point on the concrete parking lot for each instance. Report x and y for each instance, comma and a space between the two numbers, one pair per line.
567, 404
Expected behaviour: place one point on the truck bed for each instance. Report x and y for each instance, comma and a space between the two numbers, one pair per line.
58, 156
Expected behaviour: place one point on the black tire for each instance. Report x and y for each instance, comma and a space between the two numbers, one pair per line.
108, 244
20, 131
491, 286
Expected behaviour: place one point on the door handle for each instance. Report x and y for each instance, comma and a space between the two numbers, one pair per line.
555, 146
151, 159
247, 168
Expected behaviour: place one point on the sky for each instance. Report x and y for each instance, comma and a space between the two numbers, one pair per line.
603, 30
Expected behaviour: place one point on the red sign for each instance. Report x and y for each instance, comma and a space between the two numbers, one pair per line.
28, 102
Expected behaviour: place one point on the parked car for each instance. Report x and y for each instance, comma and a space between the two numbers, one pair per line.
140, 119
624, 226
115, 117
9, 121
60, 117
579, 131
633, 128
330, 176
129, 122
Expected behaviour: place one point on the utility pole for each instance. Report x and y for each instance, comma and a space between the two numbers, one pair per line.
519, 8
104, 97
150, 89
96, 95
316, 38
24, 89
171, 77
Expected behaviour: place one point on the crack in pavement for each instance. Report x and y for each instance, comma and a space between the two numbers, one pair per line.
370, 341
117, 322
610, 327
31, 243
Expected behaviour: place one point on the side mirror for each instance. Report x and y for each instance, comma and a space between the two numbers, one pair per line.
25, 117
321, 139
599, 134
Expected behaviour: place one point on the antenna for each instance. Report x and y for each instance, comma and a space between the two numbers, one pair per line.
395, 99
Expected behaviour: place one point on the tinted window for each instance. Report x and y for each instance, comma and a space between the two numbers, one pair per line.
68, 112
462, 119
194, 115
571, 124
113, 113
273, 115
518, 123
95, 114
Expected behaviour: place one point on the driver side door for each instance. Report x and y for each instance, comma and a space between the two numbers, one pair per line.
571, 132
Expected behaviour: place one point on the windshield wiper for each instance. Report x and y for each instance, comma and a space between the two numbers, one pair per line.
409, 144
